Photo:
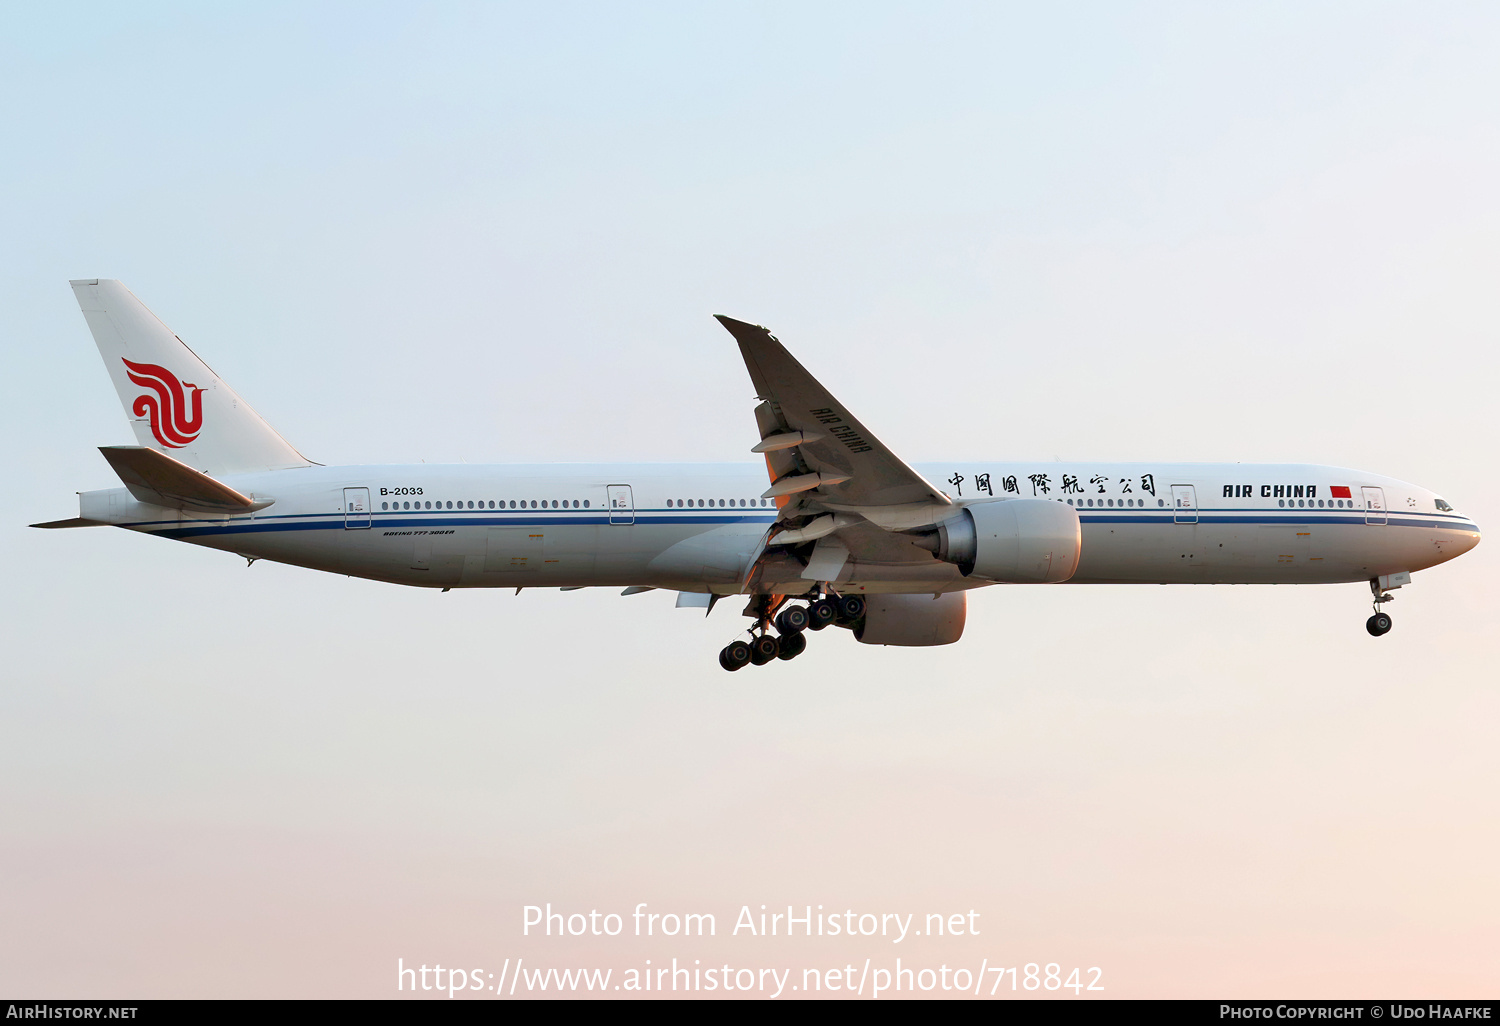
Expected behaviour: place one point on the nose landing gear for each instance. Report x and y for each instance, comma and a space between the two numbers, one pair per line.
1380, 623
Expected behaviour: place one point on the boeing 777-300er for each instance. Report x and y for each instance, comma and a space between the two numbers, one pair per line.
846, 534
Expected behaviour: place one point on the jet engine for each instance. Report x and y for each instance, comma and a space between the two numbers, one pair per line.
913, 621
1016, 541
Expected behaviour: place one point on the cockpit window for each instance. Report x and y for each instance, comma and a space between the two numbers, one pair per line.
1443, 505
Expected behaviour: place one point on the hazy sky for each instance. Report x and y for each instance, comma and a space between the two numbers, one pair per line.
498, 232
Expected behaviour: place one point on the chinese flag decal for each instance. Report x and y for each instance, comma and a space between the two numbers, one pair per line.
1340, 492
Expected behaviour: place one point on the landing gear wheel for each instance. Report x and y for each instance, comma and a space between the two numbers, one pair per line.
763, 649
1378, 624
792, 620
792, 646
850, 609
821, 613
735, 655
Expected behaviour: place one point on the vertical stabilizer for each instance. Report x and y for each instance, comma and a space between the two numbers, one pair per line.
175, 403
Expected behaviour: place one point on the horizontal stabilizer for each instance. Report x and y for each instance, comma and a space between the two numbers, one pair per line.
75, 522
157, 478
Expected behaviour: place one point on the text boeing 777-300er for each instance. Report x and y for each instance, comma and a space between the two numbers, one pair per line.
847, 534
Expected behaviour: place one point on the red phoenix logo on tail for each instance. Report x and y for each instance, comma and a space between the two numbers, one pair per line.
171, 423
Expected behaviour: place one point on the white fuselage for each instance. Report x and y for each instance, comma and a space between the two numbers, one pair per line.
699, 527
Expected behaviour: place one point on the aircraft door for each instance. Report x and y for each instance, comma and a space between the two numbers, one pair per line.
621, 504
1184, 504
356, 509
1374, 505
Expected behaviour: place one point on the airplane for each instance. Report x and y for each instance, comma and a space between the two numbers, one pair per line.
832, 529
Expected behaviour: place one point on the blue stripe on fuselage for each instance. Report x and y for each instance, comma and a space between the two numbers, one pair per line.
492, 518
335, 522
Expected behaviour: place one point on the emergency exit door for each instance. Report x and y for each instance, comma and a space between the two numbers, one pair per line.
1374, 505
621, 504
356, 509
1184, 504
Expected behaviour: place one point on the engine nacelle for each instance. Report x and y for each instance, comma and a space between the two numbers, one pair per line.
1017, 541
913, 620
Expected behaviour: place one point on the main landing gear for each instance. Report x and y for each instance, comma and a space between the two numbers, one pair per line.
1380, 623
791, 623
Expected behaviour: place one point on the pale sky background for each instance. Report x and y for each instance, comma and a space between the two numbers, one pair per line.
497, 233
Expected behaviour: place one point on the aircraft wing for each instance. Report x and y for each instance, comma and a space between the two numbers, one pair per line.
819, 455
